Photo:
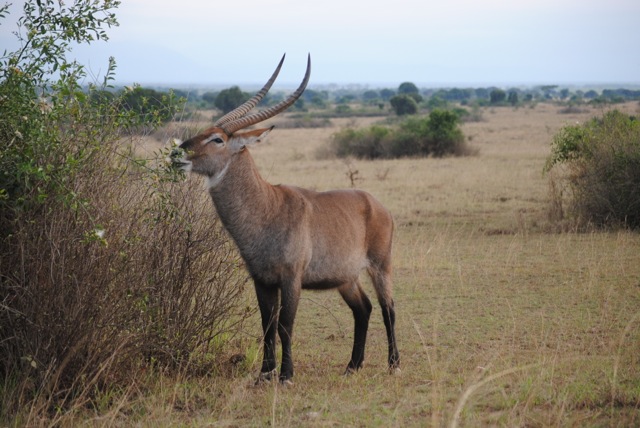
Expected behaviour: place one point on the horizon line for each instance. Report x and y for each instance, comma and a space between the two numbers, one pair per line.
384, 85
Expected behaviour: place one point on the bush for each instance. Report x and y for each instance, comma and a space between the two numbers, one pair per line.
600, 165
343, 109
437, 135
367, 143
440, 134
105, 267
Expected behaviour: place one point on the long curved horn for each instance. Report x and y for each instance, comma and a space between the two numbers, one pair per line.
252, 119
252, 102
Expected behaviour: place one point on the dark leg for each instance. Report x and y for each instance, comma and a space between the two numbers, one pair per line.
389, 317
360, 305
268, 303
290, 296
382, 282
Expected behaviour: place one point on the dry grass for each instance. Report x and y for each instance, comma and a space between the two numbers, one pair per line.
499, 321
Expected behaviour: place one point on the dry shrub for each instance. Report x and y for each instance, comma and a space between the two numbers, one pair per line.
135, 273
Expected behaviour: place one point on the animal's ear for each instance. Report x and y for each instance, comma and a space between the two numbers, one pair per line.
240, 140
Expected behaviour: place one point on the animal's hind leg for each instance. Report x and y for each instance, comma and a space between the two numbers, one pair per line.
381, 278
360, 305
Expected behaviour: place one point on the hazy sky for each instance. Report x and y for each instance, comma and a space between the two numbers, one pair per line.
377, 43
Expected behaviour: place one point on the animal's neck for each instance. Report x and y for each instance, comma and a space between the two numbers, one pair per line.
243, 200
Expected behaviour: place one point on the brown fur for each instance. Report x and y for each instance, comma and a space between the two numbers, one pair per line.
292, 238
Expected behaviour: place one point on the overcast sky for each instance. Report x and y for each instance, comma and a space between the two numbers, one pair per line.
371, 42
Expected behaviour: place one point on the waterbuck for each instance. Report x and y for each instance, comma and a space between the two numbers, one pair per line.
292, 238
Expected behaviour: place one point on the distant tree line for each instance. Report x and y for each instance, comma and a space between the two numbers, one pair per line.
406, 99
622, 94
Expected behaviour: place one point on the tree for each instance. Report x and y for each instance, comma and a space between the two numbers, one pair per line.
513, 98
370, 96
386, 94
436, 102
497, 96
548, 91
314, 98
408, 88
444, 135
482, 93
591, 94
230, 98
299, 105
404, 104
454, 94
210, 98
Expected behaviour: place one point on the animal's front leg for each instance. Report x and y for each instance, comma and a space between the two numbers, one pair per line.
290, 296
268, 303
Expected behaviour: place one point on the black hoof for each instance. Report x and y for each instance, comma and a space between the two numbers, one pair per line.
352, 370
286, 382
266, 377
395, 370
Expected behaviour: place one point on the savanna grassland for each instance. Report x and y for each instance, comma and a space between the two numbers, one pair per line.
502, 319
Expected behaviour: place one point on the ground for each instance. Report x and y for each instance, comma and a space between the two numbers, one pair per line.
501, 319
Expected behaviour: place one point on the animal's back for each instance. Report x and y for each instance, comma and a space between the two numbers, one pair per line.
349, 230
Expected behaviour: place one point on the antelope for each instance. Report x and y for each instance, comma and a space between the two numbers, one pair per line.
292, 238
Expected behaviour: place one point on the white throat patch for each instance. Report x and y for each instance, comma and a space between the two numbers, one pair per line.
213, 182
186, 165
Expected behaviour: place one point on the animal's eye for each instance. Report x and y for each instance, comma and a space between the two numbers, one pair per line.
213, 139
